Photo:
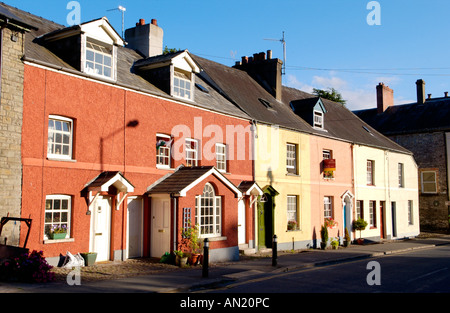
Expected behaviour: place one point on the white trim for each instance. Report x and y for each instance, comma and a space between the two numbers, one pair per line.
204, 176
54, 156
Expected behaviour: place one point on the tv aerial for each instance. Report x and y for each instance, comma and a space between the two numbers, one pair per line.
283, 41
122, 9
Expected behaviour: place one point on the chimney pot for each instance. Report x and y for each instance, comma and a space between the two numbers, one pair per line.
429, 96
446, 94
142, 22
269, 54
154, 22
244, 60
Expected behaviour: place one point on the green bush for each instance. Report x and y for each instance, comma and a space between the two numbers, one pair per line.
29, 267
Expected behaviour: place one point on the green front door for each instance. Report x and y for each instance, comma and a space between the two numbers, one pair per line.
266, 212
261, 225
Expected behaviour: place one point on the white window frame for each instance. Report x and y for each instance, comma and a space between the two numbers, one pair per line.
208, 213
434, 182
191, 161
359, 209
410, 212
103, 51
327, 207
221, 157
372, 213
68, 211
318, 119
291, 158
163, 152
53, 134
401, 175
370, 172
182, 86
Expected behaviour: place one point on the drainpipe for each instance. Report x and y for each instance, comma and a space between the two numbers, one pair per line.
174, 221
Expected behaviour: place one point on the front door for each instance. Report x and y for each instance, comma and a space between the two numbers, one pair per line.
160, 227
134, 228
241, 222
101, 229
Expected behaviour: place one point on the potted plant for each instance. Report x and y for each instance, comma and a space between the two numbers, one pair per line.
89, 258
346, 238
360, 224
335, 243
180, 258
324, 236
191, 234
58, 232
292, 225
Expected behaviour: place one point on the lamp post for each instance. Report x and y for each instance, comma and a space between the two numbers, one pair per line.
123, 10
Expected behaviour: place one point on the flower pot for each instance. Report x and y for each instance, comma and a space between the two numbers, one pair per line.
57, 236
183, 261
89, 258
323, 245
194, 259
360, 241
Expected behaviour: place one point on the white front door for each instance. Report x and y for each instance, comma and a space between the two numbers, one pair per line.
241, 222
134, 228
160, 240
101, 228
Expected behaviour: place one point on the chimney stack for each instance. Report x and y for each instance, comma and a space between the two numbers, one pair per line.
420, 91
145, 38
385, 98
265, 70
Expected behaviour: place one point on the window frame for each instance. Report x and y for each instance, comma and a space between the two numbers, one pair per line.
215, 207
319, 123
373, 213
292, 211
102, 46
292, 158
370, 179
62, 119
327, 206
359, 212
222, 164
179, 78
410, 212
401, 175
168, 149
61, 211
435, 182
191, 161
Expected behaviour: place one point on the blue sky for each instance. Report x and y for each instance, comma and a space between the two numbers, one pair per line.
329, 43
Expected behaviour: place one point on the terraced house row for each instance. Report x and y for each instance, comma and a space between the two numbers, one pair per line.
126, 146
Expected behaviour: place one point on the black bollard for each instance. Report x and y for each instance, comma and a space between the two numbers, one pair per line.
205, 268
274, 251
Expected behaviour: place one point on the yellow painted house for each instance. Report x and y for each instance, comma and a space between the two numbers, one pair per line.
282, 169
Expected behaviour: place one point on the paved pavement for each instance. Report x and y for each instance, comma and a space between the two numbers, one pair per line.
220, 275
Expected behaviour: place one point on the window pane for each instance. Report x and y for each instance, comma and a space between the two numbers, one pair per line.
89, 55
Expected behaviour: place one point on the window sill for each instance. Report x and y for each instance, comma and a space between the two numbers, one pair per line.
51, 241
292, 174
162, 167
61, 159
293, 230
218, 238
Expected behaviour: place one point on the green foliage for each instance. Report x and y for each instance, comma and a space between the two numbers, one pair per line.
360, 224
324, 233
330, 94
168, 50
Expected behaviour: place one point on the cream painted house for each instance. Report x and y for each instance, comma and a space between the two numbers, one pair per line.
386, 193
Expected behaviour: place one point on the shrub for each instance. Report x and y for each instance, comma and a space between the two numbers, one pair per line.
29, 267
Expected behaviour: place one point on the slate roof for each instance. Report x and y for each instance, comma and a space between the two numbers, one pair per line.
175, 182
433, 115
36, 52
340, 123
229, 90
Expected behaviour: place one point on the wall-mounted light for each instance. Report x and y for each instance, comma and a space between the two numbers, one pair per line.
14, 37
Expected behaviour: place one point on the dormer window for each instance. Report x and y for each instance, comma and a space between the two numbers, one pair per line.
182, 86
318, 119
98, 59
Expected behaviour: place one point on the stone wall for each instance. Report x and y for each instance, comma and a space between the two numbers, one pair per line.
430, 153
11, 108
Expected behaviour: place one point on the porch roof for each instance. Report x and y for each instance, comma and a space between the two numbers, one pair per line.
185, 178
107, 179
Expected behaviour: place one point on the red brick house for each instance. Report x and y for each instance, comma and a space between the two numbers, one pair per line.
106, 129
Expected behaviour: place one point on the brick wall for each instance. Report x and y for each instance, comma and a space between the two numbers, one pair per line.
10, 133
430, 153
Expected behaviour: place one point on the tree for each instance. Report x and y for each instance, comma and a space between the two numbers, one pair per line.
330, 94
168, 50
